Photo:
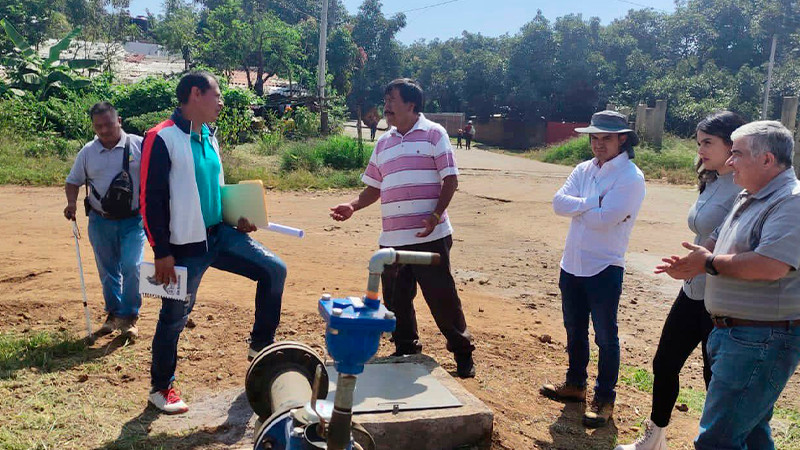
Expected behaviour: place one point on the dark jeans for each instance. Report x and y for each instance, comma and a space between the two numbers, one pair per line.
596, 296
231, 251
468, 140
687, 325
438, 288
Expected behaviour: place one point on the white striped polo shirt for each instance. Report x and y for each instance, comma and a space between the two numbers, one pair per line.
409, 169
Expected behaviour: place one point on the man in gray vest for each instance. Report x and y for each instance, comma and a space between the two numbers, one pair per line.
752, 293
117, 237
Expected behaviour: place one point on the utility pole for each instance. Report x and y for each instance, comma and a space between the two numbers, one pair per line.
323, 45
765, 109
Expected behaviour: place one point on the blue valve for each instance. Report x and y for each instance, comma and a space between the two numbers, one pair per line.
353, 331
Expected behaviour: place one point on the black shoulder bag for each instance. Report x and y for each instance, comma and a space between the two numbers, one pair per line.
119, 197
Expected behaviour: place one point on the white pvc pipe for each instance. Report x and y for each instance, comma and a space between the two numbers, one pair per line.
283, 229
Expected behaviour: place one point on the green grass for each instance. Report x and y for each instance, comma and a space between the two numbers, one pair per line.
45, 170
673, 163
41, 349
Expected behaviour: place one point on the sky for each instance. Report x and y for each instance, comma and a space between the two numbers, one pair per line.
488, 17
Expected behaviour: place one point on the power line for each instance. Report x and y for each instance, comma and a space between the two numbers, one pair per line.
427, 7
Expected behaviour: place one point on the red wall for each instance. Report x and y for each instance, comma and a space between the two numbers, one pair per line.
559, 131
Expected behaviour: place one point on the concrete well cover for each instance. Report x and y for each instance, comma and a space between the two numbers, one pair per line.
406, 386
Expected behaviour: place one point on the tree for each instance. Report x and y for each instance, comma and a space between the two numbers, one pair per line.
374, 34
260, 41
177, 29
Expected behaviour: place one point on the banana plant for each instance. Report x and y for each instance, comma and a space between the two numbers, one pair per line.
43, 77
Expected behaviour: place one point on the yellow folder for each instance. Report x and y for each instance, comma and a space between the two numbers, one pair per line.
247, 200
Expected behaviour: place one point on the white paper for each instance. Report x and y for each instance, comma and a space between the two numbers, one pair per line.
149, 287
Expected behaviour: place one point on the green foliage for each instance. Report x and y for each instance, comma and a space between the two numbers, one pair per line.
43, 77
569, 152
148, 95
69, 117
306, 123
233, 125
269, 143
342, 153
177, 29
300, 156
141, 123
49, 147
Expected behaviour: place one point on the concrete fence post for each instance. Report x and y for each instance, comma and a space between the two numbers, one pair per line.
641, 109
789, 120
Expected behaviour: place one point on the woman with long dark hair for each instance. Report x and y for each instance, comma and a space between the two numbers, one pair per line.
688, 323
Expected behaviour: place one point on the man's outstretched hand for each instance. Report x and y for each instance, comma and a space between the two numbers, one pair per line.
342, 212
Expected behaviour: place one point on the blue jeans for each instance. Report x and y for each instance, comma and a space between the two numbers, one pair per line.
118, 246
231, 251
596, 296
750, 367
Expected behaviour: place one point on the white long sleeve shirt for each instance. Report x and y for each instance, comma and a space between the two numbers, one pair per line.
599, 232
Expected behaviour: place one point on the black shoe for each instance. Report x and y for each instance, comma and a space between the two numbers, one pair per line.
465, 366
254, 350
411, 349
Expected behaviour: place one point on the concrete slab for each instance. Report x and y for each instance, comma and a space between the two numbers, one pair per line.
402, 386
466, 426
227, 417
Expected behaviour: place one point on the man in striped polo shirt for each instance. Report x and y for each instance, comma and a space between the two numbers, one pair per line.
413, 172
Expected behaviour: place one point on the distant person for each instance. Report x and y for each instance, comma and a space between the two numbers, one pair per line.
469, 134
752, 291
459, 137
688, 323
603, 197
413, 172
371, 119
182, 209
109, 167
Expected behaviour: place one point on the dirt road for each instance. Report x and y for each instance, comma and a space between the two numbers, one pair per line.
506, 252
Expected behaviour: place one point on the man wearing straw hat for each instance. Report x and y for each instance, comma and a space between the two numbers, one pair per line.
602, 196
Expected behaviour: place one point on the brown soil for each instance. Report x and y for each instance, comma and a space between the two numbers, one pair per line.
505, 256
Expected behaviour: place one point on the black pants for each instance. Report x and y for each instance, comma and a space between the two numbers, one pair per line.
687, 325
439, 289
469, 141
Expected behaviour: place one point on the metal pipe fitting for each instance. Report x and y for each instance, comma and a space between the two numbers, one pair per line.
339, 429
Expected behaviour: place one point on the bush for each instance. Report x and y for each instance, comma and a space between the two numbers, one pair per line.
69, 117
569, 152
300, 156
270, 143
148, 95
140, 124
306, 123
21, 116
342, 153
239, 98
53, 146
233, 126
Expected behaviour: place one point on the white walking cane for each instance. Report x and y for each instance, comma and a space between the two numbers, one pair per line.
77, 233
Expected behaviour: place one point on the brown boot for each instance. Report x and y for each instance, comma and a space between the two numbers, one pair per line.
108, 326
564, 392
599, 414
127, 327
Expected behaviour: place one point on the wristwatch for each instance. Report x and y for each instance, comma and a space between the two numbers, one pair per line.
710, 265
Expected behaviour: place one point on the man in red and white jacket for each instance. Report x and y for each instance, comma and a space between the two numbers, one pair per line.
181, 205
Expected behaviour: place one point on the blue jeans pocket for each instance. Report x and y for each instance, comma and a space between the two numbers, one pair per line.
753, 337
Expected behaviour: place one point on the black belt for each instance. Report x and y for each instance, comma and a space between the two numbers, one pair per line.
728, 322
106, 216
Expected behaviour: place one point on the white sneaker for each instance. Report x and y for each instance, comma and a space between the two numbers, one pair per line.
654, 438
169, 401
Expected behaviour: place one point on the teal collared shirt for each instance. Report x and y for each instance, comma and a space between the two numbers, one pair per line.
206, 171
